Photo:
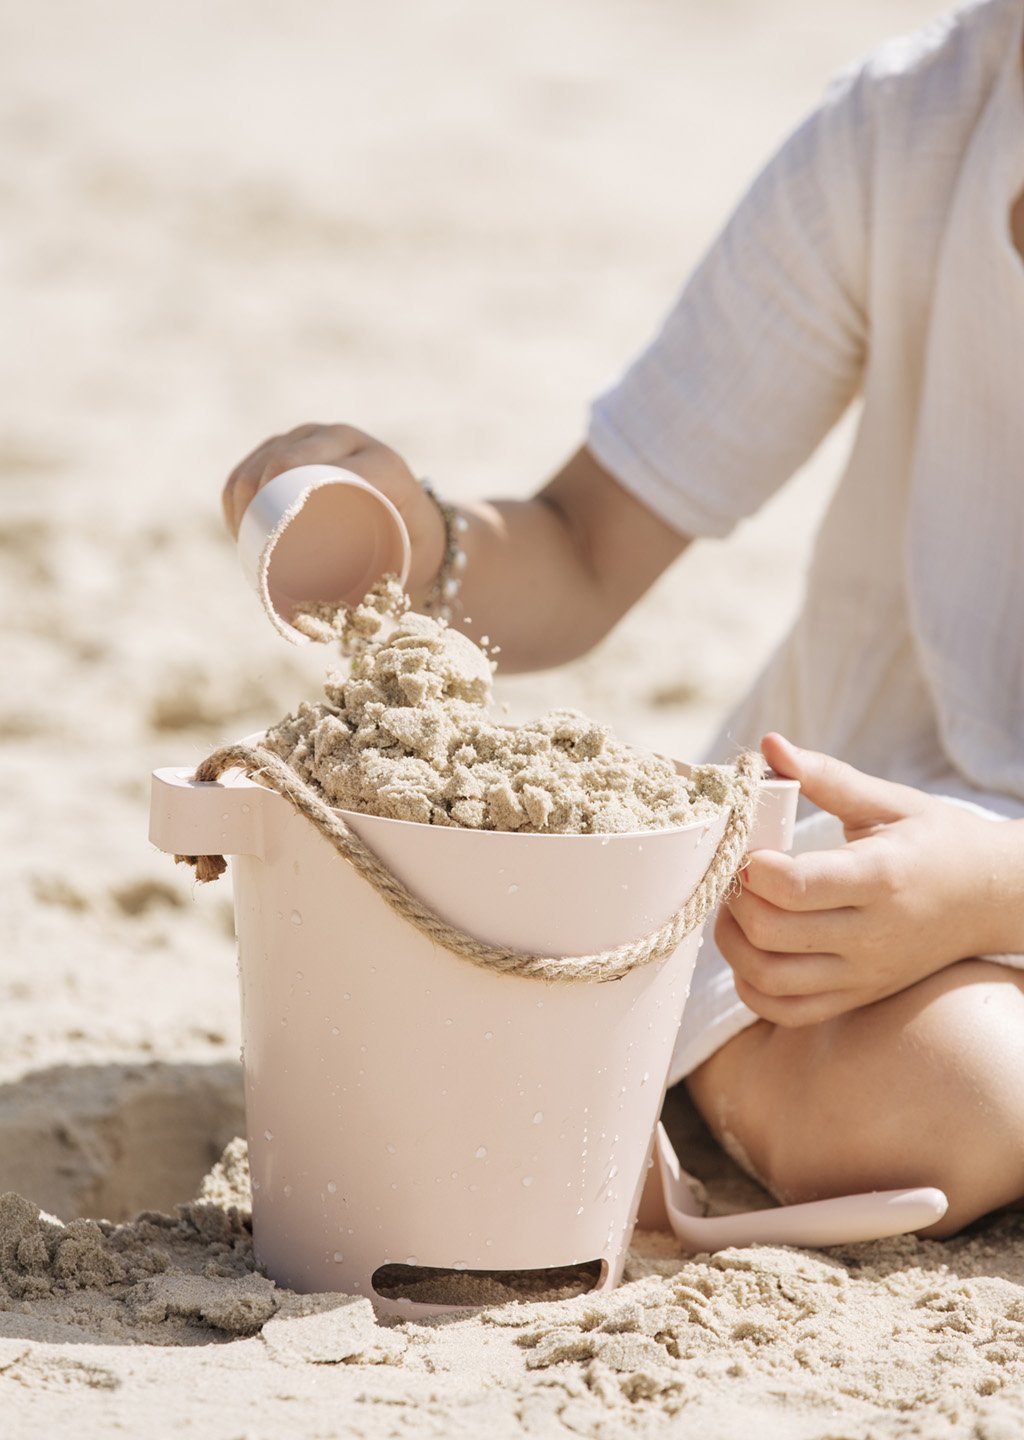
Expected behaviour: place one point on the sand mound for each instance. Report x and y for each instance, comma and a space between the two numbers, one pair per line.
407, 734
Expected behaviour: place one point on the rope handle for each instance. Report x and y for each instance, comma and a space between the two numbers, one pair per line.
268, 769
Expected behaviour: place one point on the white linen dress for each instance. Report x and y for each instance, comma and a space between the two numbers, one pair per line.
872, 255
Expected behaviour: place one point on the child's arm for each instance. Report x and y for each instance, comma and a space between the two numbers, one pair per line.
545, 578
759, 357
920, 885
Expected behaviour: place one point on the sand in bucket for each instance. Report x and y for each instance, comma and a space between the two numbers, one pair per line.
418, 1117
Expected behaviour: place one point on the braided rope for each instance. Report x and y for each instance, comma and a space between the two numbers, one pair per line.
268, 769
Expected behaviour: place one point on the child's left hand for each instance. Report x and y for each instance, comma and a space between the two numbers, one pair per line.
920, 884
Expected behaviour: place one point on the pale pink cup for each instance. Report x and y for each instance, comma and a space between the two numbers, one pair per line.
319, 533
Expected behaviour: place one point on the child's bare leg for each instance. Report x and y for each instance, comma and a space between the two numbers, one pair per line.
923, 1088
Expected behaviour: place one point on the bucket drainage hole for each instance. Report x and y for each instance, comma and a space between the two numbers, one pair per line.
429, 1285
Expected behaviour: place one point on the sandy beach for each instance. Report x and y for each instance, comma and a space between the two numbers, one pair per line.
449, 225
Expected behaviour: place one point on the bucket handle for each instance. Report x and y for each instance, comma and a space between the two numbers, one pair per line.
605, 966
195, 817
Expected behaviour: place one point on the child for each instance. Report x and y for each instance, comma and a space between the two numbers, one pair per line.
843, 1033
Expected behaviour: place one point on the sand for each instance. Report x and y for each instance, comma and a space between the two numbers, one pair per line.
901, 1337
449, 226
408, 731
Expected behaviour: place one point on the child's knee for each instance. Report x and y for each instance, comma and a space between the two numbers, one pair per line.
916, 1090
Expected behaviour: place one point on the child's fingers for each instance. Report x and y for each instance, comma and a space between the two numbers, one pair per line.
816, 880
305, 445
242, 483
861, 801
795, 932
313, 445
790, 1012
779, 974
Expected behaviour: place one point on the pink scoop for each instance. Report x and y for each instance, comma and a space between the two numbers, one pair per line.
319, 533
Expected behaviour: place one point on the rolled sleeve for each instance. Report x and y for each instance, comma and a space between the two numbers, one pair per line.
765, 346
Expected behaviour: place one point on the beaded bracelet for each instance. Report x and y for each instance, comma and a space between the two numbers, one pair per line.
444, 592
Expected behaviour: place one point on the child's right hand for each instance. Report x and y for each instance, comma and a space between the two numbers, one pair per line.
352, 450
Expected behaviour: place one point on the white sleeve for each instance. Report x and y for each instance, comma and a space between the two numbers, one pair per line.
765, 346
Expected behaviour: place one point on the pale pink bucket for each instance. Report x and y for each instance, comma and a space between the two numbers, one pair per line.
406, 1107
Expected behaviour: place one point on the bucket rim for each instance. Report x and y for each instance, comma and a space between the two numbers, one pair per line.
605, 836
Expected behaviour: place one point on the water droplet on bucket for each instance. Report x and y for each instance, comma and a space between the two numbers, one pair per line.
513, 889
454, 1175
459, 1265
268, 1135
527, 1180
645, 1077
284, 1020
580, 1210
449, 1021
488, 1034
338, 1257
481, 1152
411, 1260
295, 918
299, 975
613, 1172
332, 1187
225, 817
538, 1117
390, 1149
255, 1184
488, 1242
346, 996
246, 809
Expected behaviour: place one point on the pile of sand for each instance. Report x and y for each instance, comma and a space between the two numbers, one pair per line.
902, 1337
407, 733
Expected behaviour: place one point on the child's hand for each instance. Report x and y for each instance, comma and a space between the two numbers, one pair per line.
916, 888
368, 458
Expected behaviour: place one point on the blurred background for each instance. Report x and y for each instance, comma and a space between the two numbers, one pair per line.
449, 223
